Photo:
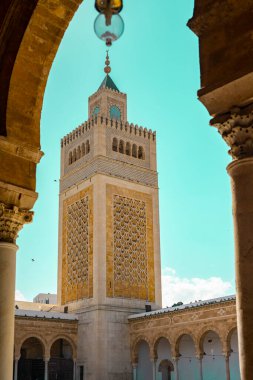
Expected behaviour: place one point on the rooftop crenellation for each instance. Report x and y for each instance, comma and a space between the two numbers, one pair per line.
113, 123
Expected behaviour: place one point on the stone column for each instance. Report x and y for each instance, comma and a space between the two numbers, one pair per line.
154, 361
46, 361
175, 360
16, 369
237, 130
226, 356
200, 359
74, 369
11, 222
135, 365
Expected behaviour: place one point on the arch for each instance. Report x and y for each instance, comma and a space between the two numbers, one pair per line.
87, 146
115, 144
156, 342
128, 149
166, 363
229, 336
83, 149
115, 112
165, 368
31, 360
141, 155
188, 364
203, 332
70, 158
181, 335
134, 150
213, 355
121, 147
68, 339
136, 344
28, 336
61, 363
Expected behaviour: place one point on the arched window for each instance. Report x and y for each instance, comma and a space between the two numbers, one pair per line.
74, 155
141, 153
128, 149
121, 146
78, 153
96, 111
134, 150
115, 144
87, 147
83, 149
115, 113
70, 158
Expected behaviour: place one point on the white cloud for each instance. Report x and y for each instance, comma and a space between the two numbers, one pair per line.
19, 296
188, 290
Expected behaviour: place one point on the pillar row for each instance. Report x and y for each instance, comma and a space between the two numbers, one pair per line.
12, 220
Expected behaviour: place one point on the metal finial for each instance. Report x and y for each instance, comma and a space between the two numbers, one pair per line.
107, 68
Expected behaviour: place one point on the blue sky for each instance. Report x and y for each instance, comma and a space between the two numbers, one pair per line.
156, 63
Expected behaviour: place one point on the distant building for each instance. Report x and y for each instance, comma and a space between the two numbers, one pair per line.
47, 298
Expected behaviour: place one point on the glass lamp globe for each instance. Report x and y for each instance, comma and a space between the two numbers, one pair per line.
109, 33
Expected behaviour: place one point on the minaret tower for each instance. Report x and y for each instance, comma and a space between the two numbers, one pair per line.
109, 251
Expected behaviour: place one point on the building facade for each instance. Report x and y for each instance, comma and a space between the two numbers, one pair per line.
109, 271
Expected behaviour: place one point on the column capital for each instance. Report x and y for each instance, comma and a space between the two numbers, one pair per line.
12, 220
236, 128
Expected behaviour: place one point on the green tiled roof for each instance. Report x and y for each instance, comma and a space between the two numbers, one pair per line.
108, 83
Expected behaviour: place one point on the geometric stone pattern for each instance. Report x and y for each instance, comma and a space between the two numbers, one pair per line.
130, 251
130, 247
77, 242
77, 250
110, 167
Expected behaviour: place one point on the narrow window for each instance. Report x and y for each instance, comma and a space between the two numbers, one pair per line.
141, 153
115, 144
74, 155
115, 113
70, 158
87, 147
83, 149
78, 153
128, 148
134, 151
121, 146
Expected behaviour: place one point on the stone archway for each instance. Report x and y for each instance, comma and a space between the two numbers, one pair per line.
164, 370
61, 364
31, 363
30, 36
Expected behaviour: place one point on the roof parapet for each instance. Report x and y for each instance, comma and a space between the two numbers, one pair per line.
132, 129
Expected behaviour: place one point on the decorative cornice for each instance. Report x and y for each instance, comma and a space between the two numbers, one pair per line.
236, 128
12, 220
27, 152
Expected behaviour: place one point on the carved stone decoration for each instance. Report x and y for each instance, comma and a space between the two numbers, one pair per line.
130, 251
236, 128
12, 220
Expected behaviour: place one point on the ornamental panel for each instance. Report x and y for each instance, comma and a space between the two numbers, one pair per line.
130, 254
77, 247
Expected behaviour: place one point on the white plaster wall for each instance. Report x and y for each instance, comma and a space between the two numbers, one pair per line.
234, 358
188, 364
214, 366
144, 369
